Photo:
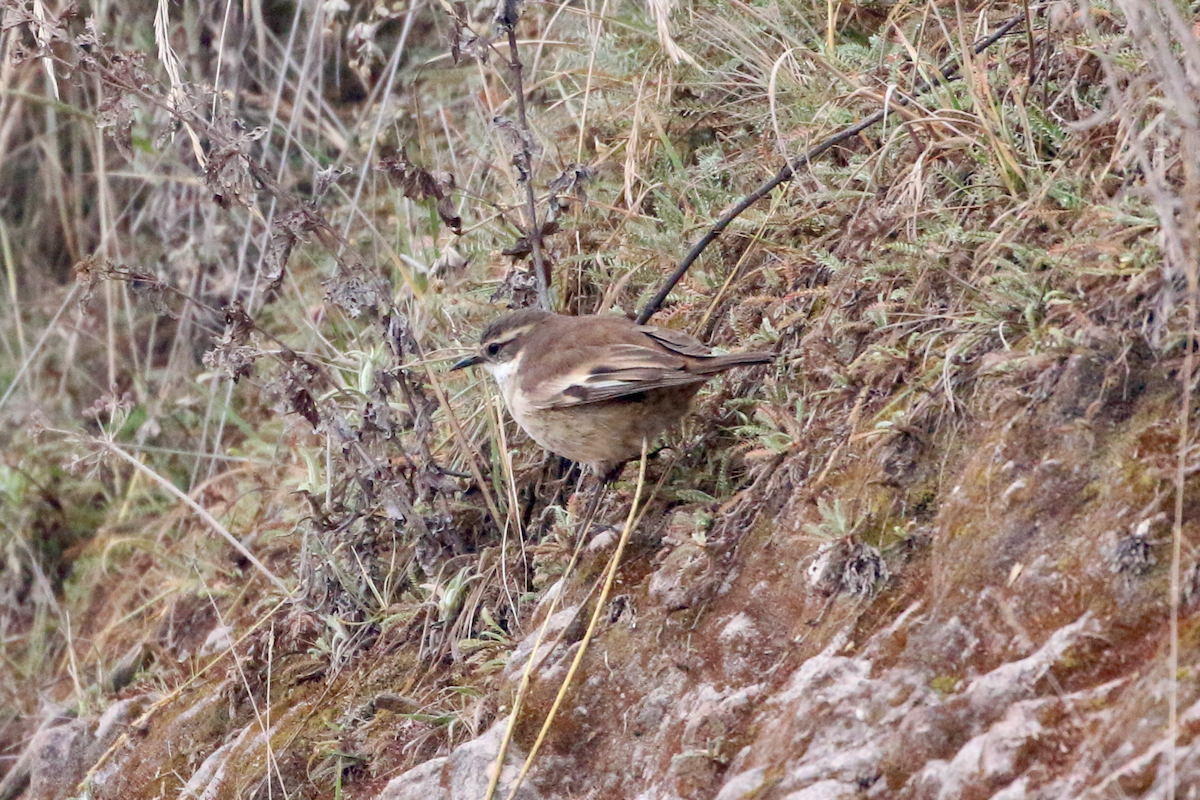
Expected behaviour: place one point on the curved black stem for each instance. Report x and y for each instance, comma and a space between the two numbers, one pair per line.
946, 73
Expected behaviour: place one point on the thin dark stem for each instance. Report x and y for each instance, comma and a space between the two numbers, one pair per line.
946, 74
541, 268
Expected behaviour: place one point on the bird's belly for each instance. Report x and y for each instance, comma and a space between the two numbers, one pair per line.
606, 433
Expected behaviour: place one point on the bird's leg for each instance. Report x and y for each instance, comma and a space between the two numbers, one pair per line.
607, 476
593, 502
604, 477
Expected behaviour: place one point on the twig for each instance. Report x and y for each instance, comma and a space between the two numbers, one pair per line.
532, 663
946, 73
630, 523
29, 359
199, 510
541, 268
1175, 600
1191, 203
464, 440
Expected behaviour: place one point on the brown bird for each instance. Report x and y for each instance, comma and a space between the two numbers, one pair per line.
592, 388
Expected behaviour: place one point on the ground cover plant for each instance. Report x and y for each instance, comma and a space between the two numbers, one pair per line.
257, 540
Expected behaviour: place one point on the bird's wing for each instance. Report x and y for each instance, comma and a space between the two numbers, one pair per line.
702, 359
626, 369
676, 341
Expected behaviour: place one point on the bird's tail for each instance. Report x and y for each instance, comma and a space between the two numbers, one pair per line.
711, 365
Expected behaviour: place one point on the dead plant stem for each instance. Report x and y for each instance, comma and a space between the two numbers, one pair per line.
1191, 206
28, 361
532, 662
609, 577
200, 511
464, 440
541, 268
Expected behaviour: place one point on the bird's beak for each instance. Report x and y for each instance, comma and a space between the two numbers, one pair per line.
469, 361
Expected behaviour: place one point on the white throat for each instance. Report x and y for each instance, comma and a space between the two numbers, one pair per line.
505, 375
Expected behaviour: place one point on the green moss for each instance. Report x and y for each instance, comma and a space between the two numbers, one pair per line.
945, 685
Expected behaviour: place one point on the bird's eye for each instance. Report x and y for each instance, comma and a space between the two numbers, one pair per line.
492, 349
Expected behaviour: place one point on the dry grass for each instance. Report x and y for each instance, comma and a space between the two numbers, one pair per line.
283, 227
